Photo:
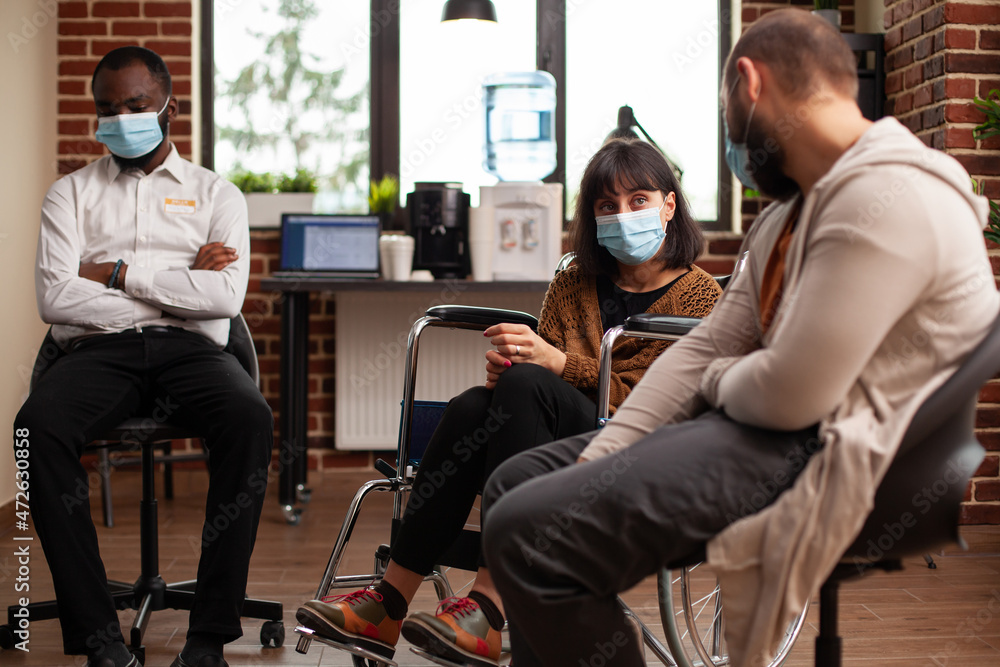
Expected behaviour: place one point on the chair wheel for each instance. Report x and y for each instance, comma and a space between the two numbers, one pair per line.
303, 495
272, 634
293, 515
139, 653
6, 637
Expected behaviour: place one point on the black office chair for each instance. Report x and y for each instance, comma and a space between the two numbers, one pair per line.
939, 453
150, 592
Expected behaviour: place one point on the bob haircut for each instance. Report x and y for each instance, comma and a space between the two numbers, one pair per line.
631, 164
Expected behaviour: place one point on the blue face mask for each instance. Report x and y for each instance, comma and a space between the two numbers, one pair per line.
634, 237
130, 135
738, 155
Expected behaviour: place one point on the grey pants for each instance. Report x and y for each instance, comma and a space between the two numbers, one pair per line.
562, 539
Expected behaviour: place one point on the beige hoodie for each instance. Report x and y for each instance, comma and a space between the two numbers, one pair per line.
887, 288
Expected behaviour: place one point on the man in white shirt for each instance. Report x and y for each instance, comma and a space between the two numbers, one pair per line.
758, 440
142, 260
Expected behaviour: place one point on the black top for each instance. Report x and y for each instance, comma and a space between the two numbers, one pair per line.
617, 304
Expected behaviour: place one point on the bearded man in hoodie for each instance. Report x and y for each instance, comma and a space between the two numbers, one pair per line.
758, 440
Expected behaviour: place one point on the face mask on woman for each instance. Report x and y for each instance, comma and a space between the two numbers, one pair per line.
130, 135
634, 237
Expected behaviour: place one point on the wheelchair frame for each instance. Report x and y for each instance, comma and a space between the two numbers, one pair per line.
399, 482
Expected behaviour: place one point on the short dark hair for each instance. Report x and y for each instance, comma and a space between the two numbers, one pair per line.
801, 49
122, 57
634, 165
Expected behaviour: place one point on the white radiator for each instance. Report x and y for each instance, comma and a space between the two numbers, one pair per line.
371, 332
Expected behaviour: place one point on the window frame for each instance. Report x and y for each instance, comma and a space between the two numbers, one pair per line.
384, 111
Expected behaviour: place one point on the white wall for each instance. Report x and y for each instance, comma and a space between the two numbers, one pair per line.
28, 126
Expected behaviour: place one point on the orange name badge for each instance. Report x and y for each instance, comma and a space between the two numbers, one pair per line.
178, 205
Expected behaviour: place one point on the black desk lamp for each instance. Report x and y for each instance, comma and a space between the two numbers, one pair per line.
626, 121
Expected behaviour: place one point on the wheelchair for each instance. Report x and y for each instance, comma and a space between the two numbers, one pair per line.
684, 595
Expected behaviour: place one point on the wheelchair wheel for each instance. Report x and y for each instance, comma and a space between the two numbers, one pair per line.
692, 613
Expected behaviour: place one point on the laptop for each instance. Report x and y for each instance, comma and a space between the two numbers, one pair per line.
329, 246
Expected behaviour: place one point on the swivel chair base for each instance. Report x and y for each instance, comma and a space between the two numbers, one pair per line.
150, 592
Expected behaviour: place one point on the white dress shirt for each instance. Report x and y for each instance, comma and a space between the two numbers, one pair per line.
155, 223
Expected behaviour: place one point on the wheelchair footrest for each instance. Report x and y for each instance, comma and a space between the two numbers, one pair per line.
350, 648
446, 662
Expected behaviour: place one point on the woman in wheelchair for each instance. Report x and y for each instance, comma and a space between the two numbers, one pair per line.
635, 243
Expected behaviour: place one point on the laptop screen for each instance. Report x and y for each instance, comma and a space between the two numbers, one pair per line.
346, 244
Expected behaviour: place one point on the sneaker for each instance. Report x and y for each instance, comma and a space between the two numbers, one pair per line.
459, 632
358, 618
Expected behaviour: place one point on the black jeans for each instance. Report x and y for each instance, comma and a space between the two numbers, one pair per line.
565, 538
180, 377
480, 429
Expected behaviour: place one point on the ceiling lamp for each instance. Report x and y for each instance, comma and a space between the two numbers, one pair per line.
479, 10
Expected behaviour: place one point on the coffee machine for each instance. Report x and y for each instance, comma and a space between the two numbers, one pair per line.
439, 224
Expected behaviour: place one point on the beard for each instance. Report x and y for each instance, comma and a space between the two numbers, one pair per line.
140, 163
767, 160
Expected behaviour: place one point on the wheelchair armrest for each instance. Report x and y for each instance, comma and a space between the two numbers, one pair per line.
480, 315
673, 325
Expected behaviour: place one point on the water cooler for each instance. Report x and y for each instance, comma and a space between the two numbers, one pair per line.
527, 222
525, 216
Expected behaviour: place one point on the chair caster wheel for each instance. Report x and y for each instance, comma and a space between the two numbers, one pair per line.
272, 634
293, 515
6, 637
303, 495
139, 653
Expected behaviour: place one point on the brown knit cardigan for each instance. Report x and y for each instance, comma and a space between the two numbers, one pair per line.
571, 321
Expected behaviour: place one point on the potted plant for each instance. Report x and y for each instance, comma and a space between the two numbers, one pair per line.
269, 196
990, 128
829, 10
383, 198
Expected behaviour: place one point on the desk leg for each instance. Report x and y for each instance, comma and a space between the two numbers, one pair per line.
294, 394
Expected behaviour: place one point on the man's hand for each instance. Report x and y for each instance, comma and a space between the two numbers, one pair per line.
99, 272
213, 257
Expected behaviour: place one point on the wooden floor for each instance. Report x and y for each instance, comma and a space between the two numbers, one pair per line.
948, 617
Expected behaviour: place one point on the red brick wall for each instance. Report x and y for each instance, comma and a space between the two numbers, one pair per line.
88, 29
939, 56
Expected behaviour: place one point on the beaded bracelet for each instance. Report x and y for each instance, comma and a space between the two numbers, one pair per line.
114, 274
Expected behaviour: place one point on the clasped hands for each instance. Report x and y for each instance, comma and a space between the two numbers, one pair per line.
518, 344
213, 256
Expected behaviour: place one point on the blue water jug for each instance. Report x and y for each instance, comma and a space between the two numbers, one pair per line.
520, 125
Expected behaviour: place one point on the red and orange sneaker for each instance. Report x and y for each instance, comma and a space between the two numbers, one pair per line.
357, 618
459, 632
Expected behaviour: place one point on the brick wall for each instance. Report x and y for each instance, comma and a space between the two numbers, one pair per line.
87, 30
939, 56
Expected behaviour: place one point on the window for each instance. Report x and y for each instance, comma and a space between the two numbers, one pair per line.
291, 92
442, 67
660, 58
417, 111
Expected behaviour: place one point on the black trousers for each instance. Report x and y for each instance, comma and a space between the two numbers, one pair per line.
480, 429
564, 539
181, 377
